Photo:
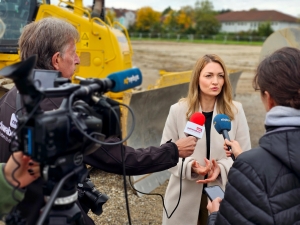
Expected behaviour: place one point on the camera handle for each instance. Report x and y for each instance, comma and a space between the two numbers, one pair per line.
70, 215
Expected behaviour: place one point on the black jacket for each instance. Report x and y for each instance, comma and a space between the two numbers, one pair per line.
107, 158
264, 183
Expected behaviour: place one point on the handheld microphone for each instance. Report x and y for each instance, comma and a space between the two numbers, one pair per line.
222, 124
195, 127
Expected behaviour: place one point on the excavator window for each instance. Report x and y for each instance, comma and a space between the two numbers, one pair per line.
14, 15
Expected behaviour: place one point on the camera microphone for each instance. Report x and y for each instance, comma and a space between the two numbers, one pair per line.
115, 82
126, 79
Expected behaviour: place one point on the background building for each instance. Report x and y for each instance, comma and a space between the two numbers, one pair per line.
124, 16
233, 22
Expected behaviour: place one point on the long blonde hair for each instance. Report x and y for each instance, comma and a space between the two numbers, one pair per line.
224, 99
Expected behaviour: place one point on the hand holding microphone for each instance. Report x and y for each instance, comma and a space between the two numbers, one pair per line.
222, 124
195, 127
235, 148
186, 146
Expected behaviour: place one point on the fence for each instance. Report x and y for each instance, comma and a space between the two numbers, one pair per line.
198, 37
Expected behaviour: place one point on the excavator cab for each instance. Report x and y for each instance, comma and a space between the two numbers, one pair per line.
14, 15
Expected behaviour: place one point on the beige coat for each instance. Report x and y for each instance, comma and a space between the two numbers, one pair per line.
188, 208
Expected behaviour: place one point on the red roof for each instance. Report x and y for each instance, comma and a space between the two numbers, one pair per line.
255, 15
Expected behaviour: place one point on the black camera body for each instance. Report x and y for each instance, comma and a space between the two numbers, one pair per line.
59, 139
51, 134
84, 117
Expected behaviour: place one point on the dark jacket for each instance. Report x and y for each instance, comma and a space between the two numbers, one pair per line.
107, 158
264, 183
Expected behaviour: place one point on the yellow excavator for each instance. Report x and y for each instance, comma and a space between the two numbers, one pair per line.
104, 48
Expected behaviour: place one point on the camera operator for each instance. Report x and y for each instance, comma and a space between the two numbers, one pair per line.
17, 173
58, 52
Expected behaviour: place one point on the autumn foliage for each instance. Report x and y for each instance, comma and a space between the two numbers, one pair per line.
189, 20
147, 19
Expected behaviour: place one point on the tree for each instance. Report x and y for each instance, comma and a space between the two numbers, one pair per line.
186, 20
265, 29
206, 22
147, 20
170, 21
166, 10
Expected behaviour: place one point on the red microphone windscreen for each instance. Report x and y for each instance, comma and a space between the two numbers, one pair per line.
198, 118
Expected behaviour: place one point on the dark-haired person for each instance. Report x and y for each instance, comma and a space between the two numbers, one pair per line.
264, 183
58, 52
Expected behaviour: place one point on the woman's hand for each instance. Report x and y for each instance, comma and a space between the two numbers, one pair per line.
235, 148
214, 205
27, 172
212, 174
202, 170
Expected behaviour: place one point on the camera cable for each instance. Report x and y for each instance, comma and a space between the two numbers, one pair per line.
71, 112
168, 216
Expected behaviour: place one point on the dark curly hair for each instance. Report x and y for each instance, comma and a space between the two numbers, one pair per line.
279, 74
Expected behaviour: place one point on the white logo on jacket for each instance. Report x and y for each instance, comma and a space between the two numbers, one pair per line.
13, 121
6, 130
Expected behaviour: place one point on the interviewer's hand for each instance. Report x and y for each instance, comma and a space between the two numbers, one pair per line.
212, 174
27, 172
214, 205
235, 148
186, 146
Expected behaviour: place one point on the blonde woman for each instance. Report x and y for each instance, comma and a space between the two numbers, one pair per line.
209, 93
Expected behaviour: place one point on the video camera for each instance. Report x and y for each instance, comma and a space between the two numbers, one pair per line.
59, 139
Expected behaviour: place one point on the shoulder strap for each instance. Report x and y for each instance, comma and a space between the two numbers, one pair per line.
18, 105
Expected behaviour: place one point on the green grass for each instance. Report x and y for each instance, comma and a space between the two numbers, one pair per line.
228, 42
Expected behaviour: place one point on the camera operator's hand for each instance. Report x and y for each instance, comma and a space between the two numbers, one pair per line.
186, 146
27, 172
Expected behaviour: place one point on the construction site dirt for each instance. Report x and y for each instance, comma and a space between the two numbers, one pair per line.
151, 57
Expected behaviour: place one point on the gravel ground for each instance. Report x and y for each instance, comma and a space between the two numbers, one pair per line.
150, 57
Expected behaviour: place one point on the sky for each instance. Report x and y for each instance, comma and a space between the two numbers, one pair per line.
290, 7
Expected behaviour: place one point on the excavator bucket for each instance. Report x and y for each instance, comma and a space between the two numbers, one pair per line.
288, 37
151, 109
